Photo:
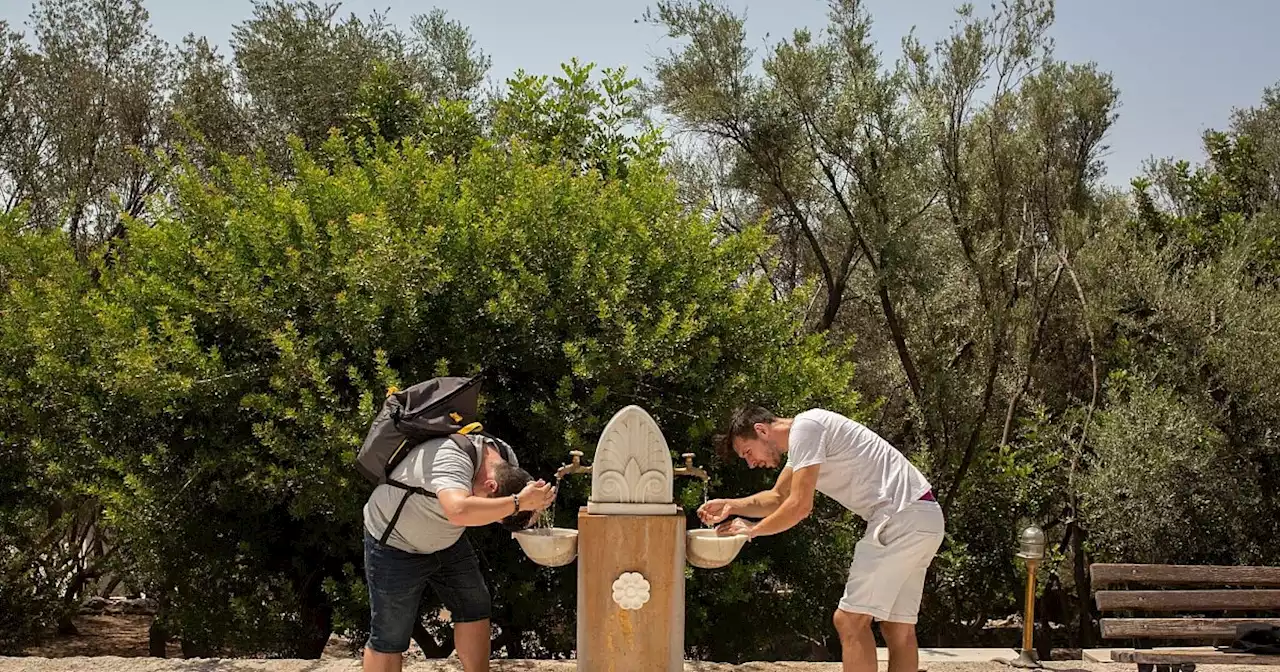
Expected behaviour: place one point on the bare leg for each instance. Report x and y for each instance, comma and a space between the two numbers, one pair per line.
382, 662
472, 642
857, 644
904, 653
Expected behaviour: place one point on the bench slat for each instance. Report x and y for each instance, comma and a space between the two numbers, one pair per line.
1177, 628
1104, 574
1188, 600
1191, 656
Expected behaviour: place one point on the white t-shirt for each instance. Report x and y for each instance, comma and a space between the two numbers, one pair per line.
423, 527
860, 470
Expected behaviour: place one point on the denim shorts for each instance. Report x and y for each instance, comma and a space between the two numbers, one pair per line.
397, 580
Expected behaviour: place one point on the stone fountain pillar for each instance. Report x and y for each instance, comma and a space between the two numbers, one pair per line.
631, 547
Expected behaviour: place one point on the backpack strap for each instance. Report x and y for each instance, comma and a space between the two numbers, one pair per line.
462, 443
408, 490
504, 450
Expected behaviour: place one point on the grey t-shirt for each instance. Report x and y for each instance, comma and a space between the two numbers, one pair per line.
423, 527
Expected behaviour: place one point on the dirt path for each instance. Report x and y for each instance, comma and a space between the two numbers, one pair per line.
113, 664
118, 643
104, 635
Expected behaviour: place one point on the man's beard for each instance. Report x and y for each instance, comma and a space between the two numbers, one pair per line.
777, 454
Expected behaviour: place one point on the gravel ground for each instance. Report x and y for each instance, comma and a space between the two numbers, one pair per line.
114, 664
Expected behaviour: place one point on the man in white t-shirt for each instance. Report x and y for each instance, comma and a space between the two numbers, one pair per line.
829, 453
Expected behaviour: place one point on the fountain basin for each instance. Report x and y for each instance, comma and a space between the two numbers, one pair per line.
552, 547
707, 550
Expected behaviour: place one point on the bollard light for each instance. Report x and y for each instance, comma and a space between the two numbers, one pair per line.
1031, 549
1031, 544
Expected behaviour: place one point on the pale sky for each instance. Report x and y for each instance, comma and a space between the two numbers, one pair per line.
1180, 66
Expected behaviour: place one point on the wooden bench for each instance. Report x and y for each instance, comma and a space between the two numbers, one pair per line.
1198, 589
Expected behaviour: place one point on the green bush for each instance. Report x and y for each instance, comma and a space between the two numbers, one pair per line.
48, 494
240, 342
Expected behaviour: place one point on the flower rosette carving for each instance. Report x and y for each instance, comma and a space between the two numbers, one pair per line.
631, 590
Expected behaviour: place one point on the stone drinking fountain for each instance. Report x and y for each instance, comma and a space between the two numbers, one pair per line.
632, 546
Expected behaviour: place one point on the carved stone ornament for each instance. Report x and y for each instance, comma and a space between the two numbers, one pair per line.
631, 590
631, 473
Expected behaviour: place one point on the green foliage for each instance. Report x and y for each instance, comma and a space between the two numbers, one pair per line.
1162, 469
47, 490
1187, 441
308, 71
941, 202
212, 267
84, 108
1200, 215
385, 106
241, 341
587, 125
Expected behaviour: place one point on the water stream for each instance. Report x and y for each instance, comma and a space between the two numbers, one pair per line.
547, 519
706, 491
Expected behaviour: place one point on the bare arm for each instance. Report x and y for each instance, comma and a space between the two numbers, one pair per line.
466, 510
795, 506
764, 503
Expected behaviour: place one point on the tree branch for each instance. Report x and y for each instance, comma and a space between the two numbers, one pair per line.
988, 390
1093, 357
1036, 342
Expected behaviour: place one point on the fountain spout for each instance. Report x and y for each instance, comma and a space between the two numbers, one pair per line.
574, 467
689, 470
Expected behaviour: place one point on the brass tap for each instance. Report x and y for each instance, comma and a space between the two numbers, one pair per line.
689, 470
574, 467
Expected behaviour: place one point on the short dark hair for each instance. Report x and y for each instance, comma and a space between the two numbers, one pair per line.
742, 425
511, 480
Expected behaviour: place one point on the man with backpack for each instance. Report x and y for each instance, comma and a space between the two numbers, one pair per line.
437, 474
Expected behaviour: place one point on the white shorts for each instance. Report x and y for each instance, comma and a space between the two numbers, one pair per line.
886, 577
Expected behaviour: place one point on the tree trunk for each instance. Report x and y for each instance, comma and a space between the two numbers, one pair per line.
835, 297
110, 586
158, 635
317, 617
1043, 644
157, 639
1084, 588
192, 649
66, 624
993, 370
513, 641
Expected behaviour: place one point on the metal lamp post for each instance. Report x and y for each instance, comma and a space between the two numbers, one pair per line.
1031, 549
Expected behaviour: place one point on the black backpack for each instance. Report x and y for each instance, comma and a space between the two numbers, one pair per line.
439, 407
